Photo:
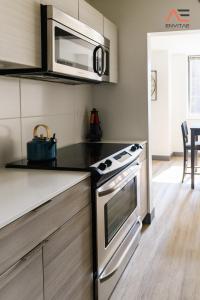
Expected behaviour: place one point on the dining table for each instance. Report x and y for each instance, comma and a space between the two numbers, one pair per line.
195, 132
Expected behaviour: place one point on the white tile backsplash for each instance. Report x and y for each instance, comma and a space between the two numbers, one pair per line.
10, 140
44, 98
83, 98
81, 119
9, 98
25, 103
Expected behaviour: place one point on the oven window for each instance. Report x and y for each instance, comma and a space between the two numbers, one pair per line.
71, 50
119, 208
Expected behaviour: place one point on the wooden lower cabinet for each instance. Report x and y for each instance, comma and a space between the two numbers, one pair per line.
67, 259
143, 189
24, 280
21, 236
47, 254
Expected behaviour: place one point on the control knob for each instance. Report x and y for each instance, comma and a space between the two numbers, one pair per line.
139, 146
108, 162
134, 148
102, 166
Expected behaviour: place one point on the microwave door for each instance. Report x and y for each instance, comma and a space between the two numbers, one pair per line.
71, 53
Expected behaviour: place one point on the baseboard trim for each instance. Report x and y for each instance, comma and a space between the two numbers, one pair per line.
178, 154
161, 157
149, 217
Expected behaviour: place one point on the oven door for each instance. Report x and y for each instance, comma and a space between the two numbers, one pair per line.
117, 203
75, 55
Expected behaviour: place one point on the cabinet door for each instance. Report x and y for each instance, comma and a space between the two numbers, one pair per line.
143, 189
20, 33
90, 16
68, 260
70, 7
24, 280
110, 32
21, 236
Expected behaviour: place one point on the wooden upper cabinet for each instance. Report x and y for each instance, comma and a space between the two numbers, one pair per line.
70, 7
90, 16
110, 32
20, 38
20, 33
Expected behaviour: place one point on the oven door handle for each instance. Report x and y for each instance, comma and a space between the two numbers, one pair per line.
120, 185
105, 275
108, 191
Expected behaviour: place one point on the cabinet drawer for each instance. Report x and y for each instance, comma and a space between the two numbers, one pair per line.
23, 235
24, 281
68, 260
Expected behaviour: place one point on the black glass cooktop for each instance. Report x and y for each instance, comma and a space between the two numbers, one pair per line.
74, 157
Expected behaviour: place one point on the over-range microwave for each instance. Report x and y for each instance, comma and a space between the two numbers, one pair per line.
72, 52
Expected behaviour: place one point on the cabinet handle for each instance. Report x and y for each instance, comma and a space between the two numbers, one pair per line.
42, 205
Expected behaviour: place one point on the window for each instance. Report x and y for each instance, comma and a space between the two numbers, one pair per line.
194, 86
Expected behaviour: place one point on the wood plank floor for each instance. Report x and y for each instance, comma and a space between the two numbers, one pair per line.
166, 264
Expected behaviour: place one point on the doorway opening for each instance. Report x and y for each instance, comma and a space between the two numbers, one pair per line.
173, 97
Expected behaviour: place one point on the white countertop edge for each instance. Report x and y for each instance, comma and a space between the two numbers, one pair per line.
52, 195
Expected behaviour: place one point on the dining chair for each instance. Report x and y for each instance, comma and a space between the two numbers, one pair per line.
187, 148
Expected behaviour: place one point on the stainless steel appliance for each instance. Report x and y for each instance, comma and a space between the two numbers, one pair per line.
115, 186
118, 224
118, 227
72, 52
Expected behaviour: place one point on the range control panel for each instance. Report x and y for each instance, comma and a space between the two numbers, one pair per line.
118, 159
122, 156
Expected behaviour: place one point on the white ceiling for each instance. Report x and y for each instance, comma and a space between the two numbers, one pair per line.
188, 43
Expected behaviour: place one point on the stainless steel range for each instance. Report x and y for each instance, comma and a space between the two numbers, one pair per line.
117, 221
115, 186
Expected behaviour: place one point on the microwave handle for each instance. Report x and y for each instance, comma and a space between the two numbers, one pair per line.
95, 61
105, 61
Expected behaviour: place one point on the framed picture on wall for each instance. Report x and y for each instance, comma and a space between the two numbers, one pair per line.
153, 85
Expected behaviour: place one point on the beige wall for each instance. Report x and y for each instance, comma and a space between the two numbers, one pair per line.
127, 101
25, 103
124, 107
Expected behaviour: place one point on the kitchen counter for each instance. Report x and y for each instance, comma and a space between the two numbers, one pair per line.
25, 190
